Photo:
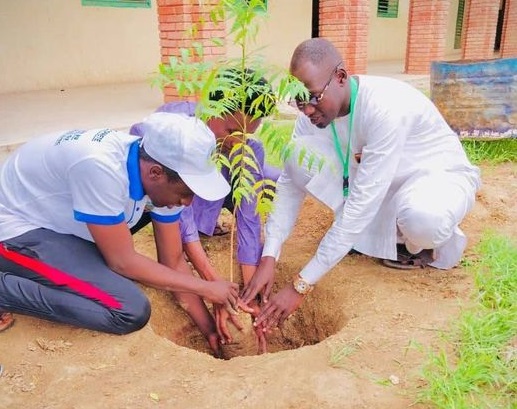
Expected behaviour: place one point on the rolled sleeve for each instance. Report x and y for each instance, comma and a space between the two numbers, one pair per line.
188, 228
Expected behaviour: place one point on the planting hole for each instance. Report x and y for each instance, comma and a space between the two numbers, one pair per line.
320, 315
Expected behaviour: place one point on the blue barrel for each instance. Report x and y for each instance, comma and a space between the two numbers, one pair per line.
477, 98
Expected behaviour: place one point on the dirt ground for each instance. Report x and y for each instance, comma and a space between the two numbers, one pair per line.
373, 314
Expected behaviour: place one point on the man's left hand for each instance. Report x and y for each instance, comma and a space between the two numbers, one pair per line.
279, 308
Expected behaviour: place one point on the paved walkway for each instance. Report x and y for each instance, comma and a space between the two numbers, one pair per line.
28, 114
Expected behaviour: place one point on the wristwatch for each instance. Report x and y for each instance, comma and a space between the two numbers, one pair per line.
301, 286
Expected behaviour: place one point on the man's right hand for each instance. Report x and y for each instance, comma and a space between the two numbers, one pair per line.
223, 293
262, 281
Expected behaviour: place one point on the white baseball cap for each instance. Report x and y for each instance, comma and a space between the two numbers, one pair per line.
185, 144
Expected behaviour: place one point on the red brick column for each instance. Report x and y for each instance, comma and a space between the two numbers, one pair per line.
509, 35
479, 30
175, 17
345, 23
426, 34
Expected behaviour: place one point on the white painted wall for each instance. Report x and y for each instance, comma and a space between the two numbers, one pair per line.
387, 37
54, 44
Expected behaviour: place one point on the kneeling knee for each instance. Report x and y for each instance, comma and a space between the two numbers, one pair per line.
134, 319
426, 230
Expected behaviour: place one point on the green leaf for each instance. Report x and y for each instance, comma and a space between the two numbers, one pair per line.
246, 177
301, 155
251, 163
236, 160
217, 41
311, 161
185, 55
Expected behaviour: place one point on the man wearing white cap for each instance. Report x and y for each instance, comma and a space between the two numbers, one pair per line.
67, 203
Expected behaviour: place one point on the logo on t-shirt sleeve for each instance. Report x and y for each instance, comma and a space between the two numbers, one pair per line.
70, 136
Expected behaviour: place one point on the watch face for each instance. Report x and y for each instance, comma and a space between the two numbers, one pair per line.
301, 286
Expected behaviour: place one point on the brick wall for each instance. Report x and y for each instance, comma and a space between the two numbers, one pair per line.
479, 29
175, 17
426, 38
345, 23
509, 37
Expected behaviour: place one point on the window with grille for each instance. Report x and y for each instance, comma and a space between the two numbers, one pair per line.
459, 24
117, 3
388, 8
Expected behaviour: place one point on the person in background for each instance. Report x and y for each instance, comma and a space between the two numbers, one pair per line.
202, 215
67, 203
402, 187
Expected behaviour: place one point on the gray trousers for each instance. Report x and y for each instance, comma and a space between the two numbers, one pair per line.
63, 278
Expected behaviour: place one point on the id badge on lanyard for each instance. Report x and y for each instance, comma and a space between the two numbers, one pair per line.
345, 158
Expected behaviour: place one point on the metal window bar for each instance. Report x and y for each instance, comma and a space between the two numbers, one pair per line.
388, 8
459, 24
117, 3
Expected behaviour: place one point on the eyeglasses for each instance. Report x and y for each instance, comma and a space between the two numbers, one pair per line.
314, 99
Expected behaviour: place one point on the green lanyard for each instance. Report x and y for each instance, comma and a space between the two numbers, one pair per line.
345, 159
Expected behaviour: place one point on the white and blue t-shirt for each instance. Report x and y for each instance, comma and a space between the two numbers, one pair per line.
63, 181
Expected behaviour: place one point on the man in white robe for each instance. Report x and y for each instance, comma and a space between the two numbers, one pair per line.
408, 181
